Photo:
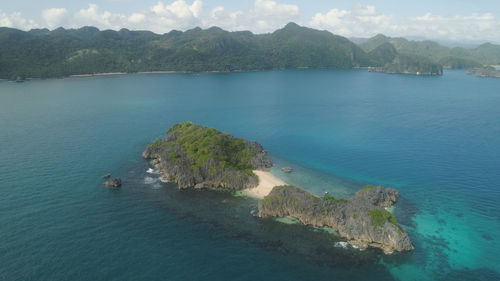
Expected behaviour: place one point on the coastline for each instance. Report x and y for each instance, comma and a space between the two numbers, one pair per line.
267, 182
155, 72
98, 74
180, 72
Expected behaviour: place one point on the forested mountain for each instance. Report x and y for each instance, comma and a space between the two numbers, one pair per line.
61, 52
457, 57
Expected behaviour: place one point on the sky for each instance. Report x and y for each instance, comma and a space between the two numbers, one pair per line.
451, 20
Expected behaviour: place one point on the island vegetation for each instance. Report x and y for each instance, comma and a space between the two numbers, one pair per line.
41, 53
202, 157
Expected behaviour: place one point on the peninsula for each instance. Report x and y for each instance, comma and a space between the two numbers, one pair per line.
195, 156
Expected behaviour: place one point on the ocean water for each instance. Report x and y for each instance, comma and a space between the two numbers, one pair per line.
435, 139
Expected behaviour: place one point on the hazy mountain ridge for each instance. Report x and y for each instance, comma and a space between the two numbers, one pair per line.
456, 57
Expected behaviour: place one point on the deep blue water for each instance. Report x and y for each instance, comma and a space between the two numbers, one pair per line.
435, 139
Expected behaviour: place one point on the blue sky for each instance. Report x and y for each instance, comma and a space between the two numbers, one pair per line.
458, 20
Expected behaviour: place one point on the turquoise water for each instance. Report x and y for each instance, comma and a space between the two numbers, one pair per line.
435, 139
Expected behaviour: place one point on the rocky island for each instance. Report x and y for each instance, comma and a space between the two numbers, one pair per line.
361, 219
200, 157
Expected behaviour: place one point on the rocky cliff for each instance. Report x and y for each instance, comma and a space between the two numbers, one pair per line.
361, 219
202, 157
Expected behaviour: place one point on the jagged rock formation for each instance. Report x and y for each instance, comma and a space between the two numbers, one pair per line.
202, 157
361, 219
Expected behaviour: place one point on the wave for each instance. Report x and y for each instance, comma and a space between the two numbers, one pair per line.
150, 180
154, 171
344, 245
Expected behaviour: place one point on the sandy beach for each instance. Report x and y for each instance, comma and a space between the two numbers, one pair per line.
266, 183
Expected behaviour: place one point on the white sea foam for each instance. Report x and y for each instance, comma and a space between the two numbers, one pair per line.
342, 244
162, 179
154, 171
150, 180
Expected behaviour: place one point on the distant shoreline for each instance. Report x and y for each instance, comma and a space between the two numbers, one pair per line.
192, 72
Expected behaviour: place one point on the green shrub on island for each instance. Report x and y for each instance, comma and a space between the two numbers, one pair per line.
202, 143
379, 217
366, 188
332, 199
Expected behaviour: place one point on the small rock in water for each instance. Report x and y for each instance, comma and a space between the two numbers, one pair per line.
286, 169
106, 176
113, 183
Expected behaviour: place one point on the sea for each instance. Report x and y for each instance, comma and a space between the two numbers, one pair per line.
436, 139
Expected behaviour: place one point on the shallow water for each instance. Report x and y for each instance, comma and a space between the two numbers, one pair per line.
435, 139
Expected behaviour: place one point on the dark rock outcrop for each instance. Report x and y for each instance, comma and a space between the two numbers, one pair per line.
113, 183
202, 157
361, 219
106, 176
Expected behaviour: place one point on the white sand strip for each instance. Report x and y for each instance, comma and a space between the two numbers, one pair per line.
266, 183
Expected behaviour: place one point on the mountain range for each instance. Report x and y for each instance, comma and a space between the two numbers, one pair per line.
41, 53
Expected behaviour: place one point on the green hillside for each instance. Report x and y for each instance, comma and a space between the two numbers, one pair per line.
61, 52
458, 57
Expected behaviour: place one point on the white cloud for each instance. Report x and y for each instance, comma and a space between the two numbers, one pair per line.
265, 16
361, 21
136, 18
177, 15
365, 21
469, 27
16, 20
159, 18
92, 16
266, 8
54, 17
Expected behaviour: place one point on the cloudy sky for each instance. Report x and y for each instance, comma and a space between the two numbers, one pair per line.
457, 20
